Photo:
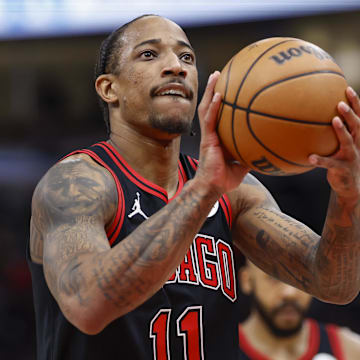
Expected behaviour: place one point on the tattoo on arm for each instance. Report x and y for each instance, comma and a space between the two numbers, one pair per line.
326, 266
71, 206
145, 253
36, 243
290, 243
275, 242
338, 263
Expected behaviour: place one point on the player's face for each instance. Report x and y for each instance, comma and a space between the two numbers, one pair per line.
281, 306
157, 83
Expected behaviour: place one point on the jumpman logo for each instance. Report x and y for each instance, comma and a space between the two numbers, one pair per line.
136, 208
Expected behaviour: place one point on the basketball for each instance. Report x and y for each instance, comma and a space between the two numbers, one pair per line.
279, 96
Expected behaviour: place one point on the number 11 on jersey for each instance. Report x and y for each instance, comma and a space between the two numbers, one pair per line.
189, 327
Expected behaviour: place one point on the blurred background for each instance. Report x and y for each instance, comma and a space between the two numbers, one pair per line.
48, 107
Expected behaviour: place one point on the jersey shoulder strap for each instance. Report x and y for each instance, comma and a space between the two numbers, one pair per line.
99, 153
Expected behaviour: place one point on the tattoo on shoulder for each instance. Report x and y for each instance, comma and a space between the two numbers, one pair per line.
73, 189
72, 193
76, 188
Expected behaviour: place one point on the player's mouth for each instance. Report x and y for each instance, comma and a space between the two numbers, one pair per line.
289, 312
173, 89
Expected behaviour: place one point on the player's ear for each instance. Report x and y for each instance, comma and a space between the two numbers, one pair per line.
105, 87
245, 280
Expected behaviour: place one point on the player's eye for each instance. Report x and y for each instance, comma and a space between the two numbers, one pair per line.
147, 55
188, 58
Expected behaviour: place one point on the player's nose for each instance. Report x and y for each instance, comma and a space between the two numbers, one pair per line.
289, 292
173, 66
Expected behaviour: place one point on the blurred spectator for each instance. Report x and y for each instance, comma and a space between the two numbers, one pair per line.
277, 327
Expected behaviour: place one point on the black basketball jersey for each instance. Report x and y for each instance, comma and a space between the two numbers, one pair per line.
192, 317
323, 339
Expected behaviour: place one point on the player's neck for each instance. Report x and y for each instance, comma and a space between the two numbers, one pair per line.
276, 348
155, 160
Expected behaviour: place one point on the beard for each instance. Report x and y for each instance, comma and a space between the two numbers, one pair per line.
171, 124
268, 318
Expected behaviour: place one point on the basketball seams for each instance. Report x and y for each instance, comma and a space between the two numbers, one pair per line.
273, 152
226, 88
241, 85
240, 108
283, 118
321, 72
255, 62
248, 111
224, 102
276, 117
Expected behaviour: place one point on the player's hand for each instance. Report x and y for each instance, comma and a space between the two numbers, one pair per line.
344, 166
214, 167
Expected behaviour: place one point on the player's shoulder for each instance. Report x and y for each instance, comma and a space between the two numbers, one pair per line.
77, 173
350, 343
77, 166
78, 162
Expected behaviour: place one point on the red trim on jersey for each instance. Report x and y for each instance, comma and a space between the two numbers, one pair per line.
314, 340
131, 170
248, 349
332, 331
72, 153
193, 162
225, 204
132, 175
120, 211
182, 172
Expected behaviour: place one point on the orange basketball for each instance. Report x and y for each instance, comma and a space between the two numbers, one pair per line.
279, 96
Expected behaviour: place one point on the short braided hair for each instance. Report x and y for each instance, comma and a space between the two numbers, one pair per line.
107, 62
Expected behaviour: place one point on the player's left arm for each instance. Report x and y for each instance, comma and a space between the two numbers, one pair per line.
350, 343
338, 256
326, 266
275, 242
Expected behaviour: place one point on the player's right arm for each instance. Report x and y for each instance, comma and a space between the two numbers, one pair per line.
75, 201
71, 207
93, 283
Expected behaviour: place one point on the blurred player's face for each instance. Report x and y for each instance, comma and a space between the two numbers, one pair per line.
157, 82
280, 306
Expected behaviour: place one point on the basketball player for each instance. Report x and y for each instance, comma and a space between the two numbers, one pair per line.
132, 242
277, 329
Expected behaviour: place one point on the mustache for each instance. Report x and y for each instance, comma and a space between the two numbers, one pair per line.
189, 91
288, 304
